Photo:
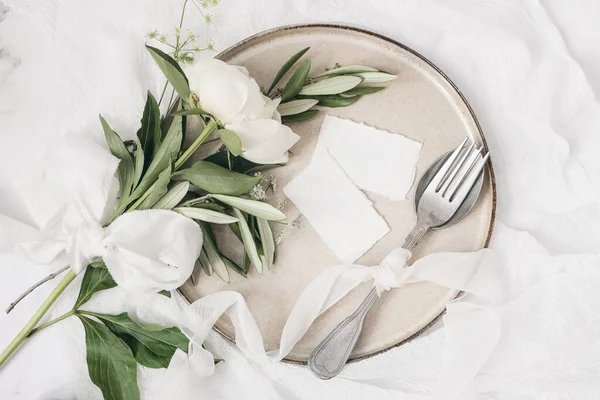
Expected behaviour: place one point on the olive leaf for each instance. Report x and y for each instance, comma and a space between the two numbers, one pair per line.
173, 196
191, 111
333, 85
335, 101
361, 91
375, 77
111, 365
150, 133
212, 253
295, 106
252, 207
216, 179
268, 243
306, 115
172, 72
152, 347
231, 141
296, 82
286, 67
248, 241
349, 69
95, 279
234, 266
205, 263
125, 170
138, 167
206, 215
157, 190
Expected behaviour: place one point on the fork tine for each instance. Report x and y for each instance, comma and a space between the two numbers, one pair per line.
462, 172
452, 176
469, 180
443, 171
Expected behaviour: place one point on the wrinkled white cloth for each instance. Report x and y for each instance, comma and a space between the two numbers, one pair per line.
529, 69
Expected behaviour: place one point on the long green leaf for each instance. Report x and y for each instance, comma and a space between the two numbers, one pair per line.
216, 179
286, 67
295, 106
172, 72
214, 257
306, 115
234, 266
335, 101
248, 240
206, 215
333, 85
168, 150
191, 111
252, 207
111, 364
157, 190
173, 196
95, 279
268, 243
150, 133
139, 166
231, 141
375, 77
152, 347
349, 69
126, 169
296, 82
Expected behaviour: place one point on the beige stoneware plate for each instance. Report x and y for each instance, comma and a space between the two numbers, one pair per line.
421, 104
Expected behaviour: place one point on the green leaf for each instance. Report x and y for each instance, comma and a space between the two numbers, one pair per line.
375, 77
157, 190
296, 82
231, 141
205, 263
118, 149
152, 347
306, 115
111, 364
361, 91
238, 164
335, 101
286, 67
168, 150
172, 72
334, 85
139, 166
165, 293
95, 279
216, 179
206, 215
150, 133
191, 111
212, 253
248, 240
173, 196
295, 106
234, 266
268, 243
349, 69
252, 207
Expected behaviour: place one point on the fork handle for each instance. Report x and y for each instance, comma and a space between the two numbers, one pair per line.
330, 356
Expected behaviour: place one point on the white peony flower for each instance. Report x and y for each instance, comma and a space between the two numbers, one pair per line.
234, 98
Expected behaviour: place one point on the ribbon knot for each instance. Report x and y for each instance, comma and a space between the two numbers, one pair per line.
391, 272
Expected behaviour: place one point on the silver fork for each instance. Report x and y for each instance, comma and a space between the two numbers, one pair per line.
440, 200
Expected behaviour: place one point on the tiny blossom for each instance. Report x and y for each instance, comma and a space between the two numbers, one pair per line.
152, 34
210, 45
205, 4
258, 193
214, 3
192, 36
209, 18
162, 38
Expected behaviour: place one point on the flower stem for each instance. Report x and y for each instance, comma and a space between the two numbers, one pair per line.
208, 129
35, 286
37, 317
163, 92
50, 323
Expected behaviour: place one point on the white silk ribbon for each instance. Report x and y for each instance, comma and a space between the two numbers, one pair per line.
469, 272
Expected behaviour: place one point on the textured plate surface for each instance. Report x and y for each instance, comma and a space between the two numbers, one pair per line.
421, 104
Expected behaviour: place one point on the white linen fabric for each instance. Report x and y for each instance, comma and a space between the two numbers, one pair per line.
529, 69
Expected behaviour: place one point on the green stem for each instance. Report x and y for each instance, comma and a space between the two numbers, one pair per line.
208, 129
39, 314
50, 323
163, 92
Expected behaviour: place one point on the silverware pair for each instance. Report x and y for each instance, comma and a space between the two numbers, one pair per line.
444, 195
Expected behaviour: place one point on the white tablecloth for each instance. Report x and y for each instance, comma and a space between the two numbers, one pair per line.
531, 71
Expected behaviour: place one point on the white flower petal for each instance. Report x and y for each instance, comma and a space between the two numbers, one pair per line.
265, 141
152, 250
